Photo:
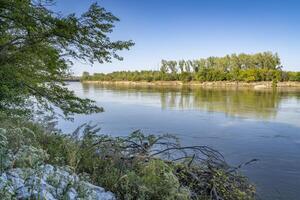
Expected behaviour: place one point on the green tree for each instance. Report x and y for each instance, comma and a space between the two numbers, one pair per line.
181, 64
196, 66
164, 66
188, 65
263, 66
172, 66
37, 47
85, 76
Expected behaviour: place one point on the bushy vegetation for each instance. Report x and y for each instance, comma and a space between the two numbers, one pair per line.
133, 167
243, 67
37, 46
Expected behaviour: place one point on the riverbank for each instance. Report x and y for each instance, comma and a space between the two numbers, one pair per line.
215, 84
37, 160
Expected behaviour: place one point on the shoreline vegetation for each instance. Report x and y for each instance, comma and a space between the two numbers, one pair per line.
258, 71
49, 164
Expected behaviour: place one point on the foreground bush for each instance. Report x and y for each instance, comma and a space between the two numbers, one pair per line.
133, 167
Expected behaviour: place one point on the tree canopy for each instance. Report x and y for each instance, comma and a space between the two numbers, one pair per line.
265, 66
37, 46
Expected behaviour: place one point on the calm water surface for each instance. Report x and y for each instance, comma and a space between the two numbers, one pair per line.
242, 125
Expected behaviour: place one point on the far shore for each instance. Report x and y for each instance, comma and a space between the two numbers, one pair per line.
215, 84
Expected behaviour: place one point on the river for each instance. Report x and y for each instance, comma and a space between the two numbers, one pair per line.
241, 124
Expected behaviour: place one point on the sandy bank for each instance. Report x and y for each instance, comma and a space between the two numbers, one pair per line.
221, 84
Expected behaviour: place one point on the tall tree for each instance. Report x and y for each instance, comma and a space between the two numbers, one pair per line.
181, 64
37, 47
164, 66
188, 65
172, 66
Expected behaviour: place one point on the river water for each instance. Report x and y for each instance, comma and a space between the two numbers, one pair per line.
241, 124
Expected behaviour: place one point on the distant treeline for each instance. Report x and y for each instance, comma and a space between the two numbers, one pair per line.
264, 66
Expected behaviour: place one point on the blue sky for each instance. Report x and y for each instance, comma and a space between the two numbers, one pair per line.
190, 29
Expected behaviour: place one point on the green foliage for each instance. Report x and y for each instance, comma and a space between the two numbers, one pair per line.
4, 159
19, 148
243, 67
293, 76
5, 193
29, 156
36, 49
161, 182
152, 180
185, 76
228, 187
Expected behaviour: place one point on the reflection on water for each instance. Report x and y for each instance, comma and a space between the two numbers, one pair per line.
258, 104
241, 124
